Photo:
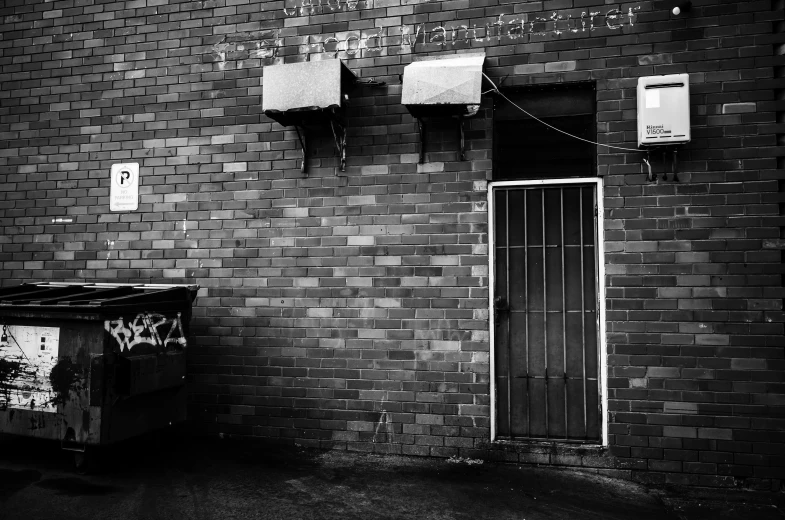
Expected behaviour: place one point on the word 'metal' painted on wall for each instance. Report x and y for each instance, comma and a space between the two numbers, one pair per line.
147, 330
405, 39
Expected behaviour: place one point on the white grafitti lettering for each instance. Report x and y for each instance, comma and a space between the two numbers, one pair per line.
611, 17
436, 35
377, 46
316, 7
349, 50
146, 329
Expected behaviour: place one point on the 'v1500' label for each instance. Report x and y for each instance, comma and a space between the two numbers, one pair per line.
656, 130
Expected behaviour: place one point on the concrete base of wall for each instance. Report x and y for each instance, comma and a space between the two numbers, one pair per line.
586, 458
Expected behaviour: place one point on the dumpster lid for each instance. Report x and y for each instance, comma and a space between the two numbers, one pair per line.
68, 296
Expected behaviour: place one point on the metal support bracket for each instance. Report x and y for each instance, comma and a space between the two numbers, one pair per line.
339, 136
652, 177
421, 128
647, 160
462, 152
303, 139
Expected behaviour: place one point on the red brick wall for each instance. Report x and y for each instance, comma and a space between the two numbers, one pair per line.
349, 309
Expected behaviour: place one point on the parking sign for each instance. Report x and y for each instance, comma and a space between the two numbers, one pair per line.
124, 192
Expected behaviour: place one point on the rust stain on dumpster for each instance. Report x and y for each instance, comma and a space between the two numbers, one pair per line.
37, 423
65, 376
9, 371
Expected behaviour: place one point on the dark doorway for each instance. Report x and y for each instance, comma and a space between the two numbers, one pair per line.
545, 265
528, 149
545, 312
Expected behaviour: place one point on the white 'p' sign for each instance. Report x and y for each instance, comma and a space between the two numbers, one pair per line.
124, 191
125, 178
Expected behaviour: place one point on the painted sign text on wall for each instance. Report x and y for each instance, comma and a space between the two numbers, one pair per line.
405, 39
315, 7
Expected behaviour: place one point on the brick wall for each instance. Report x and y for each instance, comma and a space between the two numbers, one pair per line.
348, 310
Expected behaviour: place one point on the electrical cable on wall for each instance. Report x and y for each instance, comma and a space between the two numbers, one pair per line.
496, 89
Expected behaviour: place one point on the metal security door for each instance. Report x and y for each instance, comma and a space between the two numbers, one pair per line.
546, 312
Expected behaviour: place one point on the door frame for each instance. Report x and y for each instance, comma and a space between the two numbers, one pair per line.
601, 340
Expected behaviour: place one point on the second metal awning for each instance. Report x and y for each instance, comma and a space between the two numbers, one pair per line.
443, 87
448, 86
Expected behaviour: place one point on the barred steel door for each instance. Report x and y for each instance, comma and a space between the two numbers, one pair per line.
545, 312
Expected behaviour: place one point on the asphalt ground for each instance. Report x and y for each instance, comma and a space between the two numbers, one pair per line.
210, 479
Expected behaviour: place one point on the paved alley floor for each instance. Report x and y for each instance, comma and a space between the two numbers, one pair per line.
212, 480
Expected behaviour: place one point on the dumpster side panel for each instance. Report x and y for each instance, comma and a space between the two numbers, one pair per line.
53, 397
145, 373
30, 423
81, 343
144, 413
27, 355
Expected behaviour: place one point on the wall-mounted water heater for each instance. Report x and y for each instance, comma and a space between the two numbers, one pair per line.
664, 110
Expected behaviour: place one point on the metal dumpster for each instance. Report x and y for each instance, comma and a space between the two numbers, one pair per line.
92, 364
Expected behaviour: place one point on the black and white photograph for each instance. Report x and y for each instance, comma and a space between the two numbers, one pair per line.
392, 259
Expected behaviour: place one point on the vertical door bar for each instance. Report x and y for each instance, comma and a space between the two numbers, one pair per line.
583, 319
564, 314
526, 306
509, 314
598, 282
545, 314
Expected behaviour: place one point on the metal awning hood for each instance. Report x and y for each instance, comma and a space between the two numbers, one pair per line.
305, 85
443, 81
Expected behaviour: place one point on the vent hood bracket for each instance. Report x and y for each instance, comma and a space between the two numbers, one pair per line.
421, 128
443, 87
462, 151
339, 136
303, 139
309, 94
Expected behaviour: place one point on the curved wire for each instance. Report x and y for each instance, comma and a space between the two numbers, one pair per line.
496, 89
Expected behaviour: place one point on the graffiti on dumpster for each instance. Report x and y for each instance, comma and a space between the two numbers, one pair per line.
147, 331
27, 356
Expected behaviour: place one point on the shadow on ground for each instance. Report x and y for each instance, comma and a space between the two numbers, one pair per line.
171, 478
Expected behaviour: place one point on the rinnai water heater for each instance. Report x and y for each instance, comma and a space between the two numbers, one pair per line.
664, 110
